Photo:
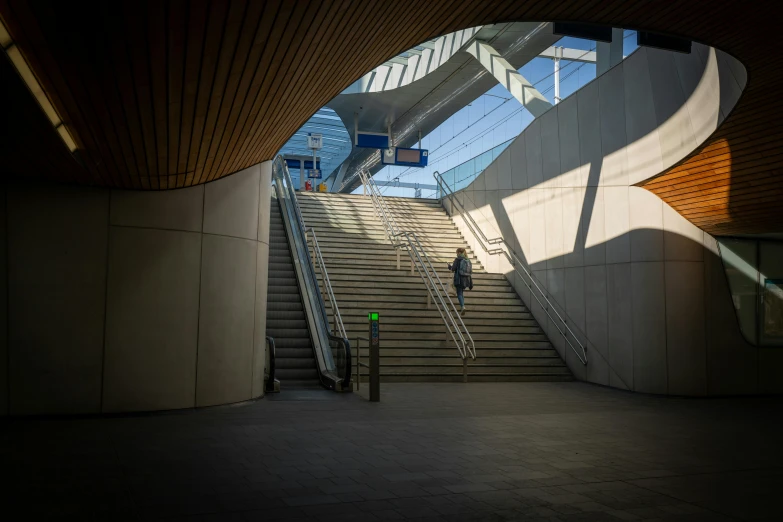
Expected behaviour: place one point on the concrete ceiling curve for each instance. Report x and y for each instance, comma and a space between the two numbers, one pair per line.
162, 95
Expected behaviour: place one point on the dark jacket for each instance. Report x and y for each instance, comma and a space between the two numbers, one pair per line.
460, 281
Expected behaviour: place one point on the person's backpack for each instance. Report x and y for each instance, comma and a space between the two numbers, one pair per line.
465, 268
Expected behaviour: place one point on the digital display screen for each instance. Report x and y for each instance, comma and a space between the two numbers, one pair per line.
409, 155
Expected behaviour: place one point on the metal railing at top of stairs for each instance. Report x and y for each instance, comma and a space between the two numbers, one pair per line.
517, 264
332, 348
437, 292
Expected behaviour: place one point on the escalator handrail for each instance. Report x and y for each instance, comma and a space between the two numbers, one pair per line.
270, 384
315, 309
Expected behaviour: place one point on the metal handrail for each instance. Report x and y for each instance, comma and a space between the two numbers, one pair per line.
315, 308
517, 263
436, 292
359, 362
272, 385
318, 260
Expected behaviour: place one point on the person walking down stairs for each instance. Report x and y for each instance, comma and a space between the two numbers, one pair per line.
463, 276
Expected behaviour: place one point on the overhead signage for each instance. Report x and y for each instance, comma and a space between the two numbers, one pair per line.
295, 163
404, 157
314, 173
315, 140
372, 140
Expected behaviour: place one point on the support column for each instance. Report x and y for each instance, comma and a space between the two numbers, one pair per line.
609, 54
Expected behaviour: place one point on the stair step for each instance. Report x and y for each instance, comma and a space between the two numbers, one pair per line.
415, 344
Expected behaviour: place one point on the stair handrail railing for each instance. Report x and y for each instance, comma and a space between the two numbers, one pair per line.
332, 375
437, 293
381, 208
338, 328
517, 264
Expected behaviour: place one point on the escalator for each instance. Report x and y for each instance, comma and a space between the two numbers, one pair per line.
285, 316
310, 349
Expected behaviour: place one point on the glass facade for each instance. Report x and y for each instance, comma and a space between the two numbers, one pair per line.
463, 174
754, 270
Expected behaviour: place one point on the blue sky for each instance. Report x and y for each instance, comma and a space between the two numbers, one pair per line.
493, 118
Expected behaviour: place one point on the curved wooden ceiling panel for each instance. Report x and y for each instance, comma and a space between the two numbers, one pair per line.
167, 94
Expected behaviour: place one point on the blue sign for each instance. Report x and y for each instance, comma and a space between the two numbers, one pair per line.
314, 173
308, 164
372, 140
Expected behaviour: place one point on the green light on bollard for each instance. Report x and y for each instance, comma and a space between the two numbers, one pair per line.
373, 316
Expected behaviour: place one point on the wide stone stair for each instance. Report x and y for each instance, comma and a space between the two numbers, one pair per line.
510, 345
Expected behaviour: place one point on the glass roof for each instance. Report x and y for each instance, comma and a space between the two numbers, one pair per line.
337, 142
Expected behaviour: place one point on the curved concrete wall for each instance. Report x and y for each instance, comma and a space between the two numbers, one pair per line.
641, 286
133, 301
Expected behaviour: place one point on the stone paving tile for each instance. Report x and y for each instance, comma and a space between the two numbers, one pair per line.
555, 452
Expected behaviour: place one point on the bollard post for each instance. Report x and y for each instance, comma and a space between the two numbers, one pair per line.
375, 358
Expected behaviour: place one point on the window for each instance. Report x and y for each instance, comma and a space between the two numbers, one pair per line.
754, 270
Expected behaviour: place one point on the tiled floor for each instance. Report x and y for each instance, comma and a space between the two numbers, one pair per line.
549, 451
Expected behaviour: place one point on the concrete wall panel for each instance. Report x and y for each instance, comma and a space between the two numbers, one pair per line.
596, 309
646, 225
614, 167
550, 148
618, 224
504, 170
151, 320
698, 73
264, 198
57, 243
554, 227
620, 314
593, 219
226, 320
568, 134
644, 154
730, 90
589, 135
537, 216
573, 199
518, 163
180, 209
648, 289
259, 330
533, 154
683, 241
685, 337
674, 123
231, 204
490, 176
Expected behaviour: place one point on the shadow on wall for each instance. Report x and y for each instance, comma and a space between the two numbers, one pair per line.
643, 286
652, 306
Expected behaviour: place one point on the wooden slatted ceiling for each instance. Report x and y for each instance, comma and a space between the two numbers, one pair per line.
168, 94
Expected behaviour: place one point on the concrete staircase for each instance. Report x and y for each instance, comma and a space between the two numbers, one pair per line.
510, 345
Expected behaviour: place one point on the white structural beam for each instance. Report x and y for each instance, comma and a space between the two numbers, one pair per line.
572, 55
515, 83
403, 184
